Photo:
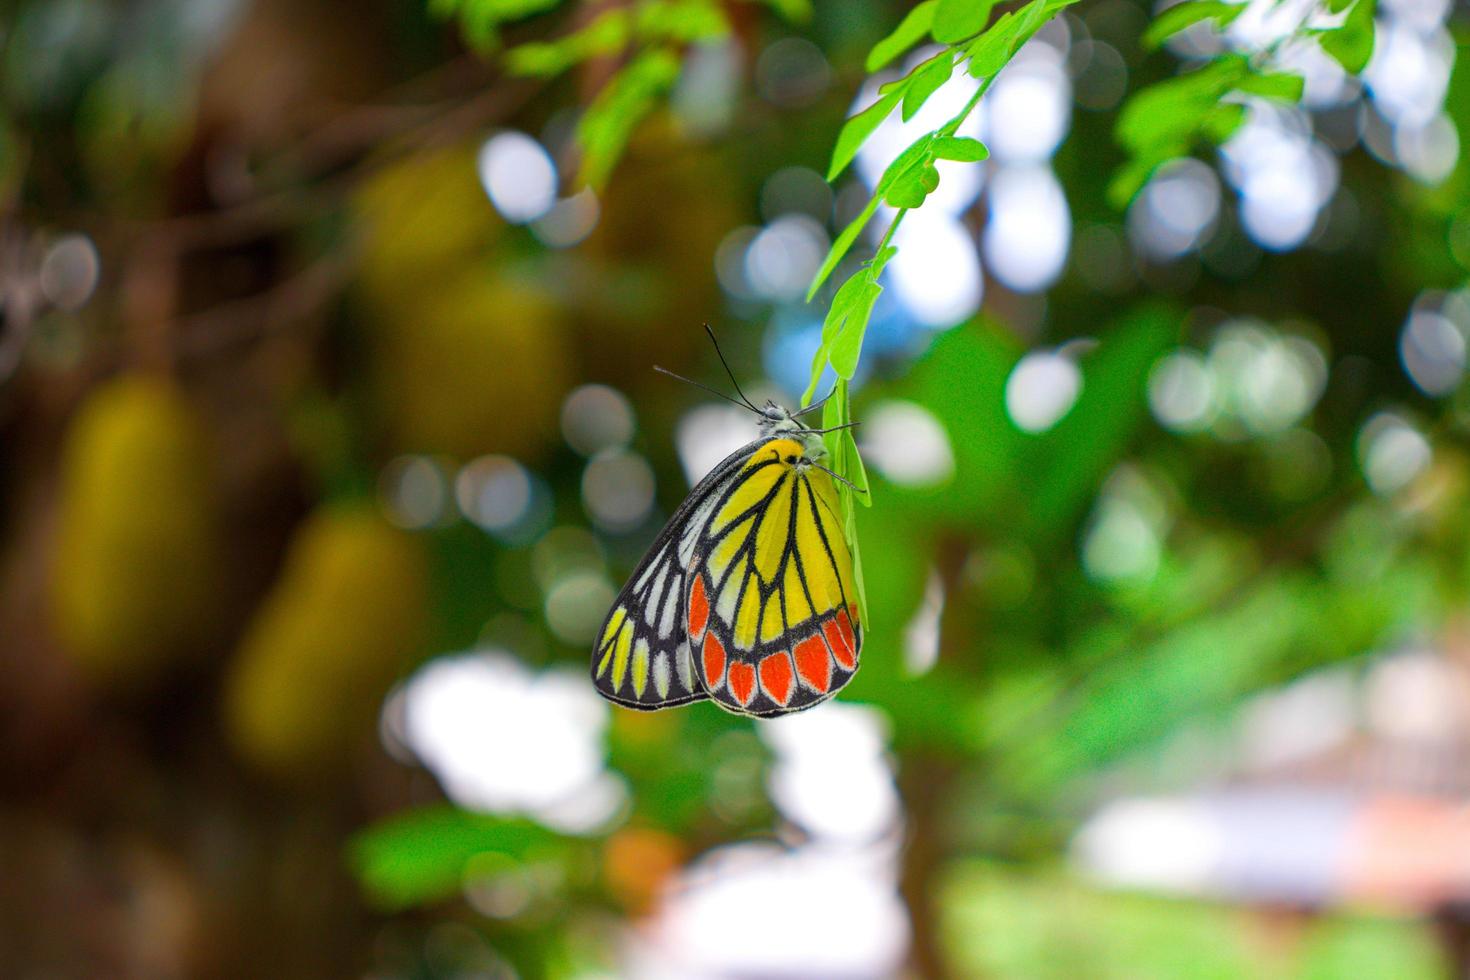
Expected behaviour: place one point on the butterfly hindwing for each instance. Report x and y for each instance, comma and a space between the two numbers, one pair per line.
642, 657
772, 615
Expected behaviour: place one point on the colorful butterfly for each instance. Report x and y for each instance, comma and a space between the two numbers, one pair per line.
747, 594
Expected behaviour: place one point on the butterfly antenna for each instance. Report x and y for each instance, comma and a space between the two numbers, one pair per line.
712, 391
816, 404
834, 428
728, 371
836, 476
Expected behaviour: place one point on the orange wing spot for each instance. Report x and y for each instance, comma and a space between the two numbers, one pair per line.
813, 664
775, 672
841, 644
698, 608
714, 660
742, 682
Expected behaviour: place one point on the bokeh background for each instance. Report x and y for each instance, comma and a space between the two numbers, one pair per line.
328, 433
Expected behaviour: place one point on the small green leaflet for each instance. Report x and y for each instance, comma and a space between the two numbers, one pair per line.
906, 174
847, 318
478, 19
847, 344
925, 81
993, 50
909, 191
795, 11
1178, 17
857, 130
1170, 111
909, 32
960, 148
840, 246
682, 20
958, 20
609, 121
1351, 45
1165, 120
842, 450
604, 35
912, 90
1282, 86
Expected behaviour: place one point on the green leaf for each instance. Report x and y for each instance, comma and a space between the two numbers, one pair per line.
925, 81
989, 52
1170, 111
957, 20
479, 19
478, 25
511, 9
993, 50
917, 154
682, 20
839, 412
840, 247
609, 121
1131, 177
910, 190
960, 148
847, 345
1274, 85
857, 129
1351, 45
1222, 122
857, 472
420, 856
844, 301
795, 11
1213, 122
909, 32
847, 320
1178, 17
545, 59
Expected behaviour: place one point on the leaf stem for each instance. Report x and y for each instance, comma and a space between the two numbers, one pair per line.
892, 227
949, 128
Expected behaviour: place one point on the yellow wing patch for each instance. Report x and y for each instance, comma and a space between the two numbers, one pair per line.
772, 612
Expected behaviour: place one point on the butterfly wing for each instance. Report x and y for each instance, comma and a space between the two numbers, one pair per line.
642, 658
772, 615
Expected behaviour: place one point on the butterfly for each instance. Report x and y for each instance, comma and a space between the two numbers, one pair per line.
746, 596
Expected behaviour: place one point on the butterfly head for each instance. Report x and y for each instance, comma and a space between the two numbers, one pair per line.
777, 420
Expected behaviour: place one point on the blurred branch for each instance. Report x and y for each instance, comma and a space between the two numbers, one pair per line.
290, 301
378, 134
20, 297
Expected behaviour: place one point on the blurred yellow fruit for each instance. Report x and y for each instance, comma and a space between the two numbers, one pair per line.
137, 559
422, 218
662, 222
466, 361
340, 624
478, 365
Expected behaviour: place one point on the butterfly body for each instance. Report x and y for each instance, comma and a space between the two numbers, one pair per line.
746, 596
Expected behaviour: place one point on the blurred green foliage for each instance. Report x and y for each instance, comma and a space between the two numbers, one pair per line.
1007, 924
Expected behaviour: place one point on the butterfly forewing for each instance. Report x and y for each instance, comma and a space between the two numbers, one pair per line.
772, 615
642, 658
